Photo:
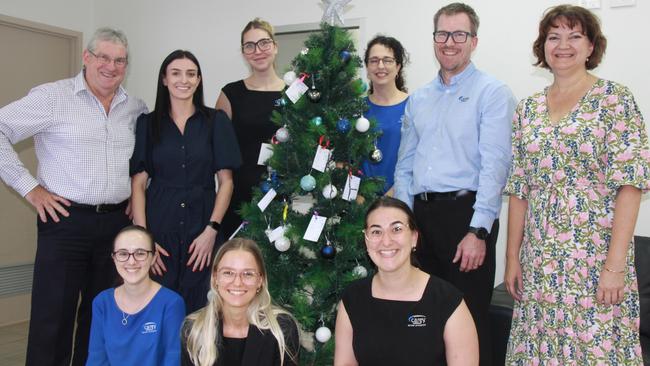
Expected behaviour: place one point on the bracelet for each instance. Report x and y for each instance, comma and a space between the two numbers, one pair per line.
612, 271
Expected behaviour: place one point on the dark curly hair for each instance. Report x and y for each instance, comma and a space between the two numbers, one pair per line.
571, 16
401, 58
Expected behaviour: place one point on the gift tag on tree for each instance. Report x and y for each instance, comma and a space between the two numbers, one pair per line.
266, 151
268, 197
277, 233
315, 227
322, 156
351, 188
297, 89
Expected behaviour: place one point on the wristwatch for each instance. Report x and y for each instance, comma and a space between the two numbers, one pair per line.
480, 232
215, 225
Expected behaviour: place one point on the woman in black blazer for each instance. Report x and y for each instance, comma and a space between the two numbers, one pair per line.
240, 325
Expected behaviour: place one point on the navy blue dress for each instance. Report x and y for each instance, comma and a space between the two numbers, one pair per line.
181, 194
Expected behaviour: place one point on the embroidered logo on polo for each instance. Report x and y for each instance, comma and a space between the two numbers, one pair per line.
463, 99
149, 327
417, 321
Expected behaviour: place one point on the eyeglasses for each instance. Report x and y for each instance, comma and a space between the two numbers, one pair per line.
387, 61
105, 60
457, 36
248, 277
263, 44
376, 234
139, 255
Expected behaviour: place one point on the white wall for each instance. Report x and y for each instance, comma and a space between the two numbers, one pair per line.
211, 30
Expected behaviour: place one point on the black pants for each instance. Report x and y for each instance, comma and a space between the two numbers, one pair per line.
443, 224
72, 258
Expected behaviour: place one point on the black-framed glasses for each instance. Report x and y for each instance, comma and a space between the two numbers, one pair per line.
139, 255
457, 36
227, 275
263, 44
387, 61
105, 60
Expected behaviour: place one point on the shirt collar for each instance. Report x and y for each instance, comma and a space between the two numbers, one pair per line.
457, 79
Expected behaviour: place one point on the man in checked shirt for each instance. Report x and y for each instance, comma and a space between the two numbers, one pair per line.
83, 135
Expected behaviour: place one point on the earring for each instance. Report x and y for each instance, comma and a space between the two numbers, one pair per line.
413, 249
258, 290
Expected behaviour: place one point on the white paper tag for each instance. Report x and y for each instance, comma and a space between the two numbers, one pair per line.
321, 158
315, 227
268, 197
276, 233
296, 90
351, 188
266, 151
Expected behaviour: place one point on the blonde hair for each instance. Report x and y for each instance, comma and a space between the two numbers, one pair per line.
202, 327
258, 23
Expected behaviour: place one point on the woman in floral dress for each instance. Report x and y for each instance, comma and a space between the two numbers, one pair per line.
581, 162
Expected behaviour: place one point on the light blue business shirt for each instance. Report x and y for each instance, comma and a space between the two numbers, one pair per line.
456, 137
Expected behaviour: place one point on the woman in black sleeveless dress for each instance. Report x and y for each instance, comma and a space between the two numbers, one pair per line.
401, 315
249, 103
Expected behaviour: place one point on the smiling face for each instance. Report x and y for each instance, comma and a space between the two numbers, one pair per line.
379, 73
237, 278
104, 79
567, 49
133, 271
259, 60
389, 240
454, 57
182, 78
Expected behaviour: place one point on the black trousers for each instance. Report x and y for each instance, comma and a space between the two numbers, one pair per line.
72, 259
443, 224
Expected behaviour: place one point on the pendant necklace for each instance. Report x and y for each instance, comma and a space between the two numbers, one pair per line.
125, 316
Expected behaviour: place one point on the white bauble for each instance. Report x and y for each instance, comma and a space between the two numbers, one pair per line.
282, 134
323, 334
360, 271
362, 124
289, 77
329, 191
282, 244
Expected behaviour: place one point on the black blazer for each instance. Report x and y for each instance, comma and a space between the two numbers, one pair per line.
261, 346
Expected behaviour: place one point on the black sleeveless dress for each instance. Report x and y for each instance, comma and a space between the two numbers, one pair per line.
389, 332
251, 113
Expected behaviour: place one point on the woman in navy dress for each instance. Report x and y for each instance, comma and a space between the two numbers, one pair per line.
179, 147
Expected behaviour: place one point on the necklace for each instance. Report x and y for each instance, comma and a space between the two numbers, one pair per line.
125, 316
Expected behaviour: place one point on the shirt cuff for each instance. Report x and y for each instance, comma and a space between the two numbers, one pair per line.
481, 219
25, 184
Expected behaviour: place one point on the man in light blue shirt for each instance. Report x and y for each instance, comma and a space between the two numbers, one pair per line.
453, 163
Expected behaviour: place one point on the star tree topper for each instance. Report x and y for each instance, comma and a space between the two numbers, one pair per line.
333, 9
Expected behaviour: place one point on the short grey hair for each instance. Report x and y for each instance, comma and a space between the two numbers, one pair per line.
107, 34
458, 8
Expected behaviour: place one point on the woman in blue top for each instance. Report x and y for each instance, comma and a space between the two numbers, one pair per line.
384, 59
138, 322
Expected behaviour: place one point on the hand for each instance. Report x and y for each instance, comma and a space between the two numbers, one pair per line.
46, 202
513, 279
610, 288
158, 268
472, 252
129, 212
201, 249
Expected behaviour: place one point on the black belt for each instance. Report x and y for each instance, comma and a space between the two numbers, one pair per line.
101, 208
444, 196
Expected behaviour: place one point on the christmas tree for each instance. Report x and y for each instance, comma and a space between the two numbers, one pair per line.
308, 213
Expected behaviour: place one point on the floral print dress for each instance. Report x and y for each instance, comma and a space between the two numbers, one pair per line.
569, 172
